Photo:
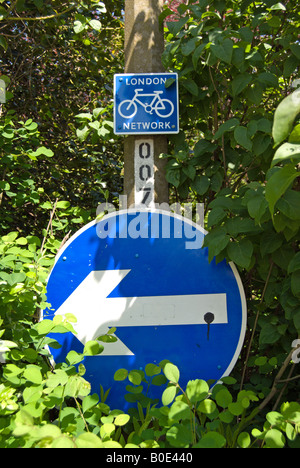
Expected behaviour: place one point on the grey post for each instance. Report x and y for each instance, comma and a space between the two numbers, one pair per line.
144, 44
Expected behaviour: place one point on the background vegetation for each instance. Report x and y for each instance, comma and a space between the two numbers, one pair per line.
237, 152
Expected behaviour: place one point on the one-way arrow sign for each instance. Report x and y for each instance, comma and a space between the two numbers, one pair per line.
96, 312
145, 273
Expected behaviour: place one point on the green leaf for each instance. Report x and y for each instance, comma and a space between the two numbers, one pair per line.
134, 377
92, 348
227, 126
278, 183
173, 177
284, 117
223, 398
63, 442
168, 395
95, 24
286, 152
200, 184
240, 252
269, 242
295, 135
294, 264
197, 390
79, 24
207, 407
223, 51
244, 440
268, 334
289, 204
33, 374
89, 402
58, 377
82, 133
3, 43
106, 430
242, 138
179, 411
88, 440
246, 34
197, 54
274, 439
121, 374
212, 439
295, 283
152, 369
190, 86
268, 80
215, 216
236, 408
171, 372
216, 241
240, 82
257, 206
77, 387
42, 150
44, 327
188, 47
179, 436
121, 420
175, 26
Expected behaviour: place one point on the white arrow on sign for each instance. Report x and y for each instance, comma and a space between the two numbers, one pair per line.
96, 313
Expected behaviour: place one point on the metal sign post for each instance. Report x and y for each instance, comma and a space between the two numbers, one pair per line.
144, 171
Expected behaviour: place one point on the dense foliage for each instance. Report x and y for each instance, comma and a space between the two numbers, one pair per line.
237, 152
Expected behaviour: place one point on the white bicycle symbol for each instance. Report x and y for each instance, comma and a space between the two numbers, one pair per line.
162, 107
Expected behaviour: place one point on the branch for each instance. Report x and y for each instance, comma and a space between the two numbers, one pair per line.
278, 379
255, 325
48, 227
39, 18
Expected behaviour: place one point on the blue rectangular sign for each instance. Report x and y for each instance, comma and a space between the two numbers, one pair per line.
146, 103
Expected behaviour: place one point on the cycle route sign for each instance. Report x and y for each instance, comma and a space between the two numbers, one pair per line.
146, 103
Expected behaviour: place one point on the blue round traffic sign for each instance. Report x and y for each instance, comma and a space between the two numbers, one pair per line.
146, 274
